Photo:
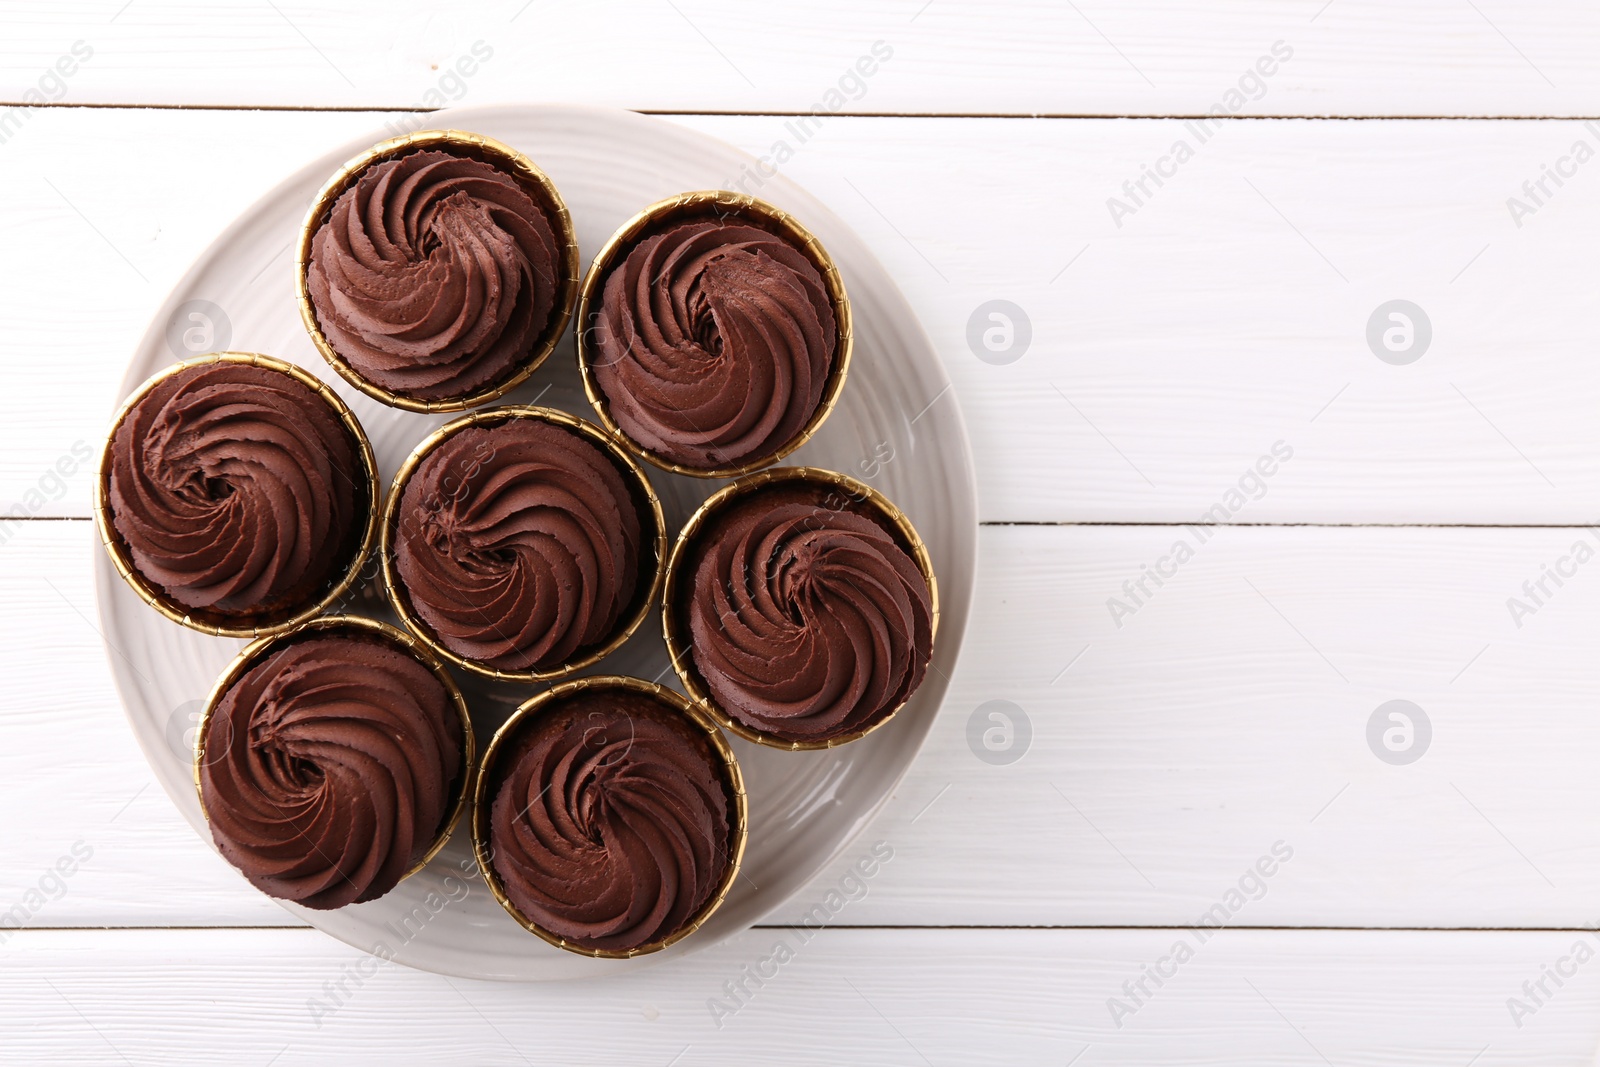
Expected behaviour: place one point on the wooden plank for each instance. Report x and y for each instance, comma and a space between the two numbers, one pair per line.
844, 996
1228, 714
1228, 314
1162, 57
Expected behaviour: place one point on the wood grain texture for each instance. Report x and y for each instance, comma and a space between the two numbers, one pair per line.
1228, 714
1163, 57
1227, 314
925, 997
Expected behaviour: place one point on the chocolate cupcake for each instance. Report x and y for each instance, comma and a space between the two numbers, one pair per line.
522, 543
332, 761
800, 606
237, 494
437, 271
714, 334
609, 817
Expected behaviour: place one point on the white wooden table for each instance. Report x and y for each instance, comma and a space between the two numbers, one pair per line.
1220, 715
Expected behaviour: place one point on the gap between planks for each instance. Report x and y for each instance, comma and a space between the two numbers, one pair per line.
1136, 523
690, 112
1125, 927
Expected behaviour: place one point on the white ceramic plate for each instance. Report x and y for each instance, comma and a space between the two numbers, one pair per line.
897, 427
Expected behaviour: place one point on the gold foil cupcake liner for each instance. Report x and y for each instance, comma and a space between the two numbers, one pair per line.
472, 146
719, 204
215, 623
850, 492
261, 648
482, 804
654, 542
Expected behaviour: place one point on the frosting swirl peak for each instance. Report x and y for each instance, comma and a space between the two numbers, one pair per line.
714, 343
329, 769
434, 275
518, 544
809, 620
237, 490
610, 823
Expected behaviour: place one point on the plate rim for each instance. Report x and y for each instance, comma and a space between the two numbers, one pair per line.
959, 588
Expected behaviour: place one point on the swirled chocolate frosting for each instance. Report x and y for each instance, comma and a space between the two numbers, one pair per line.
237, 491
714, 343
434, 275
518, 544
610, 824
329, 768
808, 619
